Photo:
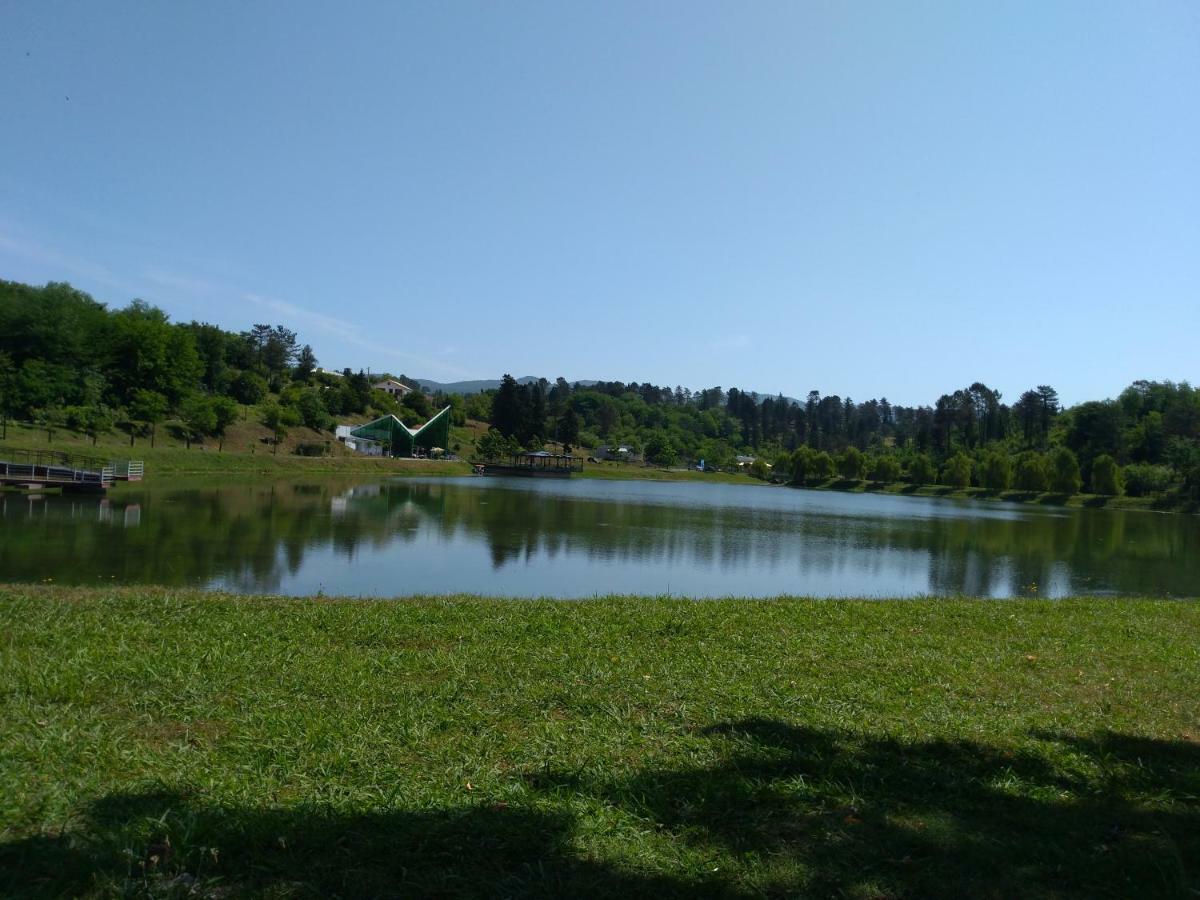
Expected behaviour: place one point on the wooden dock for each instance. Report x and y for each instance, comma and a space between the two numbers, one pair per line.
68, 471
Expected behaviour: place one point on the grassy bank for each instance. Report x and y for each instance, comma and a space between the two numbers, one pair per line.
243, 454
246, 453
156, 742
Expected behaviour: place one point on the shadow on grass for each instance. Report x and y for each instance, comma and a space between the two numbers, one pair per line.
838, 815
170, 844
782, 810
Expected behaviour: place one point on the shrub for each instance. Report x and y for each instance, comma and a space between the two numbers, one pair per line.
495, 446
1143, 479
310, 449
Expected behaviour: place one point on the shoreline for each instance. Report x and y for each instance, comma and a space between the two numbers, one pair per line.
167, 463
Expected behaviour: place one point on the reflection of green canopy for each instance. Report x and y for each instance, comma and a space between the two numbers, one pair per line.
404, 440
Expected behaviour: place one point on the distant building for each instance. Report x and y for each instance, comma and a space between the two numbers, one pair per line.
622, 452
397, 389
744, 461
396, 439
321, 371
362, 445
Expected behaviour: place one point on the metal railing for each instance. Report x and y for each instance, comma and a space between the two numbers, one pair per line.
128, 469
54, 467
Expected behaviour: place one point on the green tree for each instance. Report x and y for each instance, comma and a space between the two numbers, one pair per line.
568, 427
507, 407
1062, 473
93, 420
495, 446
995, 471
1106, 476
8, 384
660, 451
306, 363
225, 410
248, 388
146, 351
279, 419
199, 417
50, 418
957, 471
782, 469
312, 411
821, 466
417, 405
149, 407
1143, 479
1094, 428
922, 470
1030, 472
886, 468
852, 464
801, 464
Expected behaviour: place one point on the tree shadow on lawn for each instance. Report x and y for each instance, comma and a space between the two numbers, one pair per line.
825, 814
784, 811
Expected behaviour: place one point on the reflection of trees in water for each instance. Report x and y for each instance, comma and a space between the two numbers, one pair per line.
246, 536
249, 536
1001, 551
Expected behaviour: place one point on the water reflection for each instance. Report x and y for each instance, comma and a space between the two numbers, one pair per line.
579, 538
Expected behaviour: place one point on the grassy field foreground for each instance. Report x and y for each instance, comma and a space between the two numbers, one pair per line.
170, 743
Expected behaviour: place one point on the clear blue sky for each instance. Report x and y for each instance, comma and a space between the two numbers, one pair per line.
861, 198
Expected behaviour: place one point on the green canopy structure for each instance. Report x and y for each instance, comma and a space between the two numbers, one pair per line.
404, 441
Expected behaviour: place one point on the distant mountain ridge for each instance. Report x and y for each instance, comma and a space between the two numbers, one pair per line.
490, 384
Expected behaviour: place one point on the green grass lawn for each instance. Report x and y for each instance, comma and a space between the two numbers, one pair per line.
157, 743
244, 454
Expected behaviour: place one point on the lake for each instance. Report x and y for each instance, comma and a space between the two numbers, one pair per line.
579, 538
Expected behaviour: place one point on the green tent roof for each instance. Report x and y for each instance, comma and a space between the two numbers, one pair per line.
404, 440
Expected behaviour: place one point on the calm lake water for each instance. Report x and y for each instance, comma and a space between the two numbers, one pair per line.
579, 538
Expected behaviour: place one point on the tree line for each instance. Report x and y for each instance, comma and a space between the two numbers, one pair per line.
68, 361
1146, 441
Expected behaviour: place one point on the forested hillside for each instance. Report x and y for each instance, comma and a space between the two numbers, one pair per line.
67, 360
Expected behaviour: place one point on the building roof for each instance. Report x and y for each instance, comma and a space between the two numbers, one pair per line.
390, 419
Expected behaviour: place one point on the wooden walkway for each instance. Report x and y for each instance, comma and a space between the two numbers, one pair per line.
69, 471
